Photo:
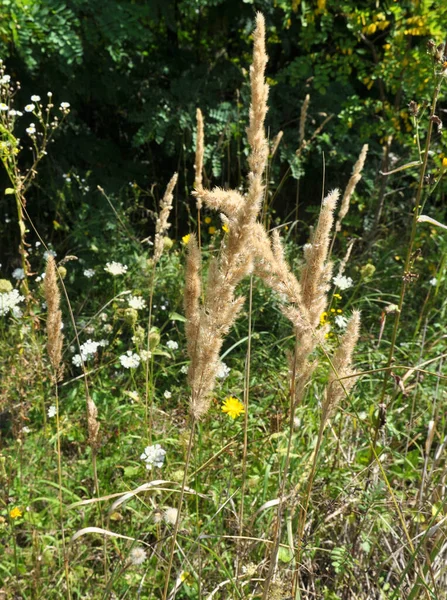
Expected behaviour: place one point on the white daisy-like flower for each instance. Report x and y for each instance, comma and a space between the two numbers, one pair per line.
433, 281
65, 105
167, 394
18, 274
222, 371
154, 456
341, 321
9, 302
35, 98
170, 515
89, 273
13, 113
137, 556
130, 360
115, 268
31, 130
342, 282
172, 345
3, 106
29, 108
136, 302
52, 411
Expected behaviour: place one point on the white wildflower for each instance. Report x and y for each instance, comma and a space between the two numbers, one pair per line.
35, 98
52, 411
136, 302
65, 105
167, 394
3, 106
129, 360
29, 108
170, 515
184, 369
145, 355
342, 282
341, 321
31, 130
9, 301
137, 556
18, 274
26, 429
89, 273
433, 281
153, 456
115, 268
172, 345
5, 79
76, 360
222, 371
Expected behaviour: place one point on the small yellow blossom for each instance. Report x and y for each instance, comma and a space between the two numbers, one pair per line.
211, 230
225, 228
207, 220
444, 162
332, 310
233, 407
15, 513
186, 238
323, 318
337, 296
339, 310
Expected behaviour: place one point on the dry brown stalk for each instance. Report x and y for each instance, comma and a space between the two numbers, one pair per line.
275, 143
303, 115
93, 424
162, 224
353, 181
54, 318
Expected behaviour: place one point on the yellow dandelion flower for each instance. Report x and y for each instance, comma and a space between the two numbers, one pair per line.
207, 220
233, 407
211, 230
186, 238
15, 513
339, 310
332, 310
225, 228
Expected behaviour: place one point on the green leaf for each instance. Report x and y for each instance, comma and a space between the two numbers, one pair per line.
9, 191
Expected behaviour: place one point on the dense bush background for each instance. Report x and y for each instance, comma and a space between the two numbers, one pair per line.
135, 71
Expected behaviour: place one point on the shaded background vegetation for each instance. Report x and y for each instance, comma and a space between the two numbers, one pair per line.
134, 72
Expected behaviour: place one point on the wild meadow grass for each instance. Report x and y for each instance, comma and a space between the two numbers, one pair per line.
228, 414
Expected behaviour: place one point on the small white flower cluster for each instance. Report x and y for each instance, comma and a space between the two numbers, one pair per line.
154, 456
115, 268
48, 253
18, 274
52, 411
130, 360
342, 282
9, 301
29, 108
222, 371
88, 349
433, 282
5, 79
172, 345
167, 394
31, 130
136, 302
89, 273
145, 355
184, 369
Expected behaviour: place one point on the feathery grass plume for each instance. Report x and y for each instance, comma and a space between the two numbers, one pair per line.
162, 224
198, 164
353, 181
344, 262
210, 321
92, 423
54, 318
275, 143
341, 367
303, 115
316, 273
